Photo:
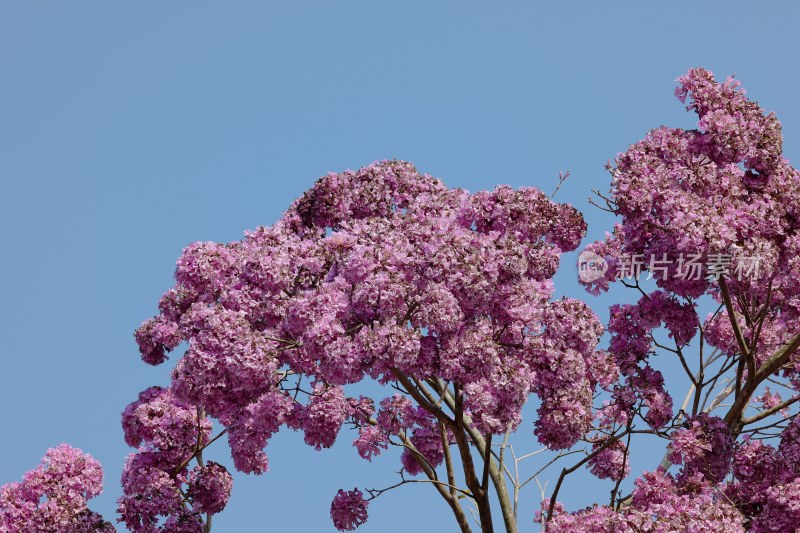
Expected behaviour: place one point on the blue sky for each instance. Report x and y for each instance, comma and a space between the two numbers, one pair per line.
128, 130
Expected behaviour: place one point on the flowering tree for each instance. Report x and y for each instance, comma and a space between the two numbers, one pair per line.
383, 273
445, 298
708, 212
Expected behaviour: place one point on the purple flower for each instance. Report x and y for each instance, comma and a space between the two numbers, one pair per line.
348, 510
53, 497
209, 488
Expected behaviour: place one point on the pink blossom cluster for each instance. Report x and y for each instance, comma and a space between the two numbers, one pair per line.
209, 488
611, 462
658, 504
705, 446
379, 273
766, 484
160, 493
396, 418
641, 389
348, 510
631, 326
52, 498
768, 399
724, 188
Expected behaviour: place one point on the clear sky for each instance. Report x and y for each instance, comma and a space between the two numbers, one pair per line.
130, 129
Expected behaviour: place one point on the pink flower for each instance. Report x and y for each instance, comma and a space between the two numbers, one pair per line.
371, 440
348, 510
209, 488
611, 463
53, 497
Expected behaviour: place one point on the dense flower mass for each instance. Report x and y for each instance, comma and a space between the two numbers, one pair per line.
209, 488
52, 498
159, 421
611, 461
717, 202
446, 297
659, 505
705, 212
704, 447
381, 273
348, 510
168, 433
766, 484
